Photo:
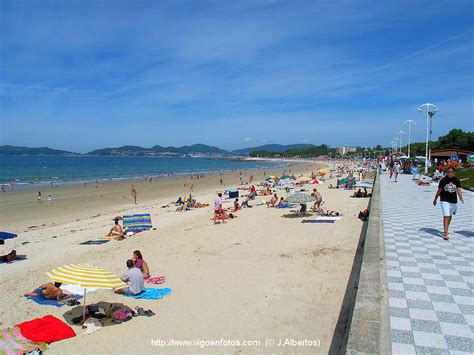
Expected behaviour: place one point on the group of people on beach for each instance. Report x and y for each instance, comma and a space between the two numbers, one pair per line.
135, 276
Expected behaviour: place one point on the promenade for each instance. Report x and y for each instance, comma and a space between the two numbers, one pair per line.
430, 280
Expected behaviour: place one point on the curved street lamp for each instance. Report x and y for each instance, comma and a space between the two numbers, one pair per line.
401, 133
409, 123
429, 116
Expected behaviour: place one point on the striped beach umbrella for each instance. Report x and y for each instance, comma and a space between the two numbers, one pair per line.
85, 275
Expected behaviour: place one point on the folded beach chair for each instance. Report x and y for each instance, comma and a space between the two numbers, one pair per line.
137, 223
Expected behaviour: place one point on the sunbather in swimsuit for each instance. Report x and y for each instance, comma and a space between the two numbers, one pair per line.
117, 230
49, 292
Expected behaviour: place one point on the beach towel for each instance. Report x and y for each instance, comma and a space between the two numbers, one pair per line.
76, 289
151, 294
156, 280
317, 221
95, 242
46, 330
5, 235
329, 218
13, 342
137, 222
45, 302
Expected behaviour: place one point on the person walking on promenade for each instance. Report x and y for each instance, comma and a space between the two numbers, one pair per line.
449, 189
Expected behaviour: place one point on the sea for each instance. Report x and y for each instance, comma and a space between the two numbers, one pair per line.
31, 171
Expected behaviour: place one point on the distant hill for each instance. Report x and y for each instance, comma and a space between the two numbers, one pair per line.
13, 150
124, 150
277, 148
159, 150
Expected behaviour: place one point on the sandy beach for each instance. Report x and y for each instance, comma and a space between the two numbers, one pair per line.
264, 275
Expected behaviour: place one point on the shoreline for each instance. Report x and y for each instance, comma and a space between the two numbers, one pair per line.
55, 182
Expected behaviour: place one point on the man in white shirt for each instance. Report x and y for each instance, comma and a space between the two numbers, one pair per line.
134, 279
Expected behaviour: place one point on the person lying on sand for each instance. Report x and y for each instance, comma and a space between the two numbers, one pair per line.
324, 212
201, 205
48, 291
9, 257
273, 201
117, 230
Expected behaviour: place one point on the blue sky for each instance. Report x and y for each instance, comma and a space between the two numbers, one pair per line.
81, 74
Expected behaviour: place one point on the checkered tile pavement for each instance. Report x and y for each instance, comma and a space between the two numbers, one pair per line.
430, 280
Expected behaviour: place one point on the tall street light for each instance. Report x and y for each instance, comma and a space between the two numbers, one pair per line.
409, 123
401, 133
395, 141
429, 116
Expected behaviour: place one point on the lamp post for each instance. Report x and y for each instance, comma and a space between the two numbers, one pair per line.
395, 142
401, 133
409, 123
429, 116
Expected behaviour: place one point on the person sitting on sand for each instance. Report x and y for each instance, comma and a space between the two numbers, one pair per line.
365, 193
282, 203
273, 201
134, 279
141, 264
48, 291
117, 230
9, 257
236, 204
358, 193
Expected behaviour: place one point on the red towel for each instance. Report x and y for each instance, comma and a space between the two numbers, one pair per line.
46, 330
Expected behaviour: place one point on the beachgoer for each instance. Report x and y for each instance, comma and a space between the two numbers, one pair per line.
134, 194
48, 291
50, 199
141, 264
134, 279
8, 257
236, 204
39, 196
273, 201
117, 230
318, 198
449, 189
396, 170
218, 212
282, 203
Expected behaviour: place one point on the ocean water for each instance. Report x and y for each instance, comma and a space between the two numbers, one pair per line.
29, 171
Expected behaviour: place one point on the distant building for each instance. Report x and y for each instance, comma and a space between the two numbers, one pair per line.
445, 154
344, 150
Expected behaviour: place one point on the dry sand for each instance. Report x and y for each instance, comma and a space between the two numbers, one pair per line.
260, 276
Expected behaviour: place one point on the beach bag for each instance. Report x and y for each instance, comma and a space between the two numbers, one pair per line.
122, 315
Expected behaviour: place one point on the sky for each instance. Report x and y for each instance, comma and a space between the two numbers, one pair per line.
81, 75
